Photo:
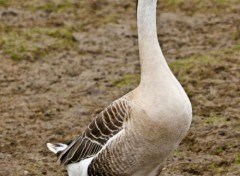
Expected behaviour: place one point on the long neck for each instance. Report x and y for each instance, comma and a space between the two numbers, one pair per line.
153, 64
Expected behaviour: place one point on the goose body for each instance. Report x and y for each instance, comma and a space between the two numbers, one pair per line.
134, 135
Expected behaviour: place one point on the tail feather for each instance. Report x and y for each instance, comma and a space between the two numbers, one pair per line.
55, 148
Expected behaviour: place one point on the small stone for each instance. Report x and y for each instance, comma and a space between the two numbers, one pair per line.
222, 133
25, 173
44, 172
9, 13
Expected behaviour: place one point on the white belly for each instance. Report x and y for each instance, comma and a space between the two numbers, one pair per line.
80, 168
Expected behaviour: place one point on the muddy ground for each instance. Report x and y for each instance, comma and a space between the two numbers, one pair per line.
62, 61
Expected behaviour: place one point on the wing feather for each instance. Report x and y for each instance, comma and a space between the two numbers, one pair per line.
106, 124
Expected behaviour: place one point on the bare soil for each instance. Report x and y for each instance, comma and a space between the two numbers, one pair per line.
62, 61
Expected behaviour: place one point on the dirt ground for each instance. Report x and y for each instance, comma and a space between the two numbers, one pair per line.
61, 61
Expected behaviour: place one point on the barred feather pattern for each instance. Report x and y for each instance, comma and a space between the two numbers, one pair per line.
106, 124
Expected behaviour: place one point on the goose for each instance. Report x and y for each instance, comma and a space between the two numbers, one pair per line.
135, 134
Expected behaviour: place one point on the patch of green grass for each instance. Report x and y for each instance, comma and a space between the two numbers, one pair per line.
237, 47
112, 18
3, 2
216, 168
127, 79
222, 1
17, 46
177, 153
213, 166
175, 2
219, 150
229, 50
186, 64
201, 66
8, 3
226, 1
215, 119
237, 159
52, 6
54, 32
36, 43
198, 6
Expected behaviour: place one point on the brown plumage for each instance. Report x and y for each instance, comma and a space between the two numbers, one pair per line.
106, 124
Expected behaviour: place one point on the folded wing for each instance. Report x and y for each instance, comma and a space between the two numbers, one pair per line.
106, 124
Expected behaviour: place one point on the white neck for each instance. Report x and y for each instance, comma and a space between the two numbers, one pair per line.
153, 64
158, 84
